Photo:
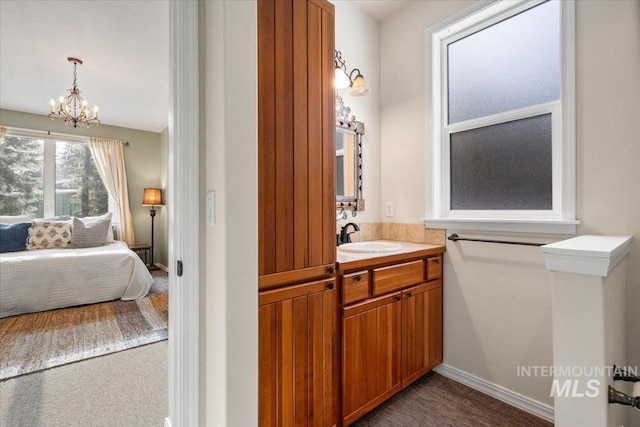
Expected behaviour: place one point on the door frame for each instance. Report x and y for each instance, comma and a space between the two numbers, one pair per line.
184, 215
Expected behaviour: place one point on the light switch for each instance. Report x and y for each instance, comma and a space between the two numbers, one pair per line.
388, 209
211, 207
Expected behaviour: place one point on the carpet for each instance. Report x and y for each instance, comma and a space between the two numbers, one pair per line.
37, 341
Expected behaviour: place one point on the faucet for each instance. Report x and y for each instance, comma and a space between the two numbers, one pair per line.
345, 237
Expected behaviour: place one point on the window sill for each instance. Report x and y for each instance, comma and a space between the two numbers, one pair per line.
510, 225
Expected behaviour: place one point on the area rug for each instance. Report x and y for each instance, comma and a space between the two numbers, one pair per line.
37, 341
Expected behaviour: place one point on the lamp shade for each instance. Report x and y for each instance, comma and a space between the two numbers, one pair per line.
359, 86
341, 80
152, 196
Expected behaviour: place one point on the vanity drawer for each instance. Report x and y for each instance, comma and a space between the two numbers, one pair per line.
388, 279
355, 286
434, 267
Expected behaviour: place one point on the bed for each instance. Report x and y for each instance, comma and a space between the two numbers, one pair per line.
47, 279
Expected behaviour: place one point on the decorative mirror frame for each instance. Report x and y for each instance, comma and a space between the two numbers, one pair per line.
343, 121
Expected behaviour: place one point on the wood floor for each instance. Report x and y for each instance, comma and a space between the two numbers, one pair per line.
438, 401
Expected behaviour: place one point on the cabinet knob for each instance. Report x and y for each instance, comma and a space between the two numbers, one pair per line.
330, 270
358, 278
398, 298
409, 294
330, 285
436, 260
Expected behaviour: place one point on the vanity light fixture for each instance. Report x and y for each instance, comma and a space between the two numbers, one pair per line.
343, 80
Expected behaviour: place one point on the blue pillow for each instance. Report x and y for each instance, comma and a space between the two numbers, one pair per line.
13, 237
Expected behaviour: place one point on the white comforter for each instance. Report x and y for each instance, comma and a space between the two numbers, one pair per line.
46, 279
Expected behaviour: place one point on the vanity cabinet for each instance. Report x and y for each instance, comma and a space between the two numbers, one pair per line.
299, 300
391, 328
298, 355
371, 350
421, 330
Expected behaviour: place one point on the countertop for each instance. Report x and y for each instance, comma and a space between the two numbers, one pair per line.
351, 260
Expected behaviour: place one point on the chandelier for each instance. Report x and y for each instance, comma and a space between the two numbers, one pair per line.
73, 108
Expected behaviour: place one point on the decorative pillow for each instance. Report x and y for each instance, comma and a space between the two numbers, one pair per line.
109, 215
89, 234
13, 237
45, 234
17, 219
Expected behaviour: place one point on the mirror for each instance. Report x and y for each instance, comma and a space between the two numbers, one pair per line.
348, 159
345, 163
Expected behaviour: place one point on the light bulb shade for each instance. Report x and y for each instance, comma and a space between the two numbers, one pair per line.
359, 87
152, 196
341, 80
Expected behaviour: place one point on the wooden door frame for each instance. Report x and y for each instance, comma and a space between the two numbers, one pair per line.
184, 215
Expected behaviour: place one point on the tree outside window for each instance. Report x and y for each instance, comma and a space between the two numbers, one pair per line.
79, 190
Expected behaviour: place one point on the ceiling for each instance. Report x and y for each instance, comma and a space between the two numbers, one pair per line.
124, 46
380, 9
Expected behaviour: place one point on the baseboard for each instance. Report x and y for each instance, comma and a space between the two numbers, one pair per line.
501, 393
167, 422
162, 267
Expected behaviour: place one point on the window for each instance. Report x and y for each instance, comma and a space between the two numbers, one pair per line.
21, 177
49, 177
79, 188
502, 119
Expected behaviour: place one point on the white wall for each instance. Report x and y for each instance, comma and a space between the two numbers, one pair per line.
498, 299
162, 217
358, 38
608, 132
231, 256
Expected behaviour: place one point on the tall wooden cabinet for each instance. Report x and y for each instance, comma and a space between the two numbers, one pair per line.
298, 300
298, 355
296, 135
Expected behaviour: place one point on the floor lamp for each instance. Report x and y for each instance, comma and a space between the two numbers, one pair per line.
153, 197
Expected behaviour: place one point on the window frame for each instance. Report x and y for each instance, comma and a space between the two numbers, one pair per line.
561, 218
49, 165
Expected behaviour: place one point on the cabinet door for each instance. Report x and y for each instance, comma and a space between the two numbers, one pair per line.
421, 330
298, 355
296, 135
371, 354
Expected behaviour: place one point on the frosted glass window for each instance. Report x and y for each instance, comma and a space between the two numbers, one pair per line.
503, 167
509, 65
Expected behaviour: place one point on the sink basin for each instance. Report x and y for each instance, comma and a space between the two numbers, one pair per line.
370, 247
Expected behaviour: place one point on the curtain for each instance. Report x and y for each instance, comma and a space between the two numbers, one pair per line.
108, 155
3, 132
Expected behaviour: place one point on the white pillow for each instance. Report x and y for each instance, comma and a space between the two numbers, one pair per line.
108, 215
89, 234
16, 219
